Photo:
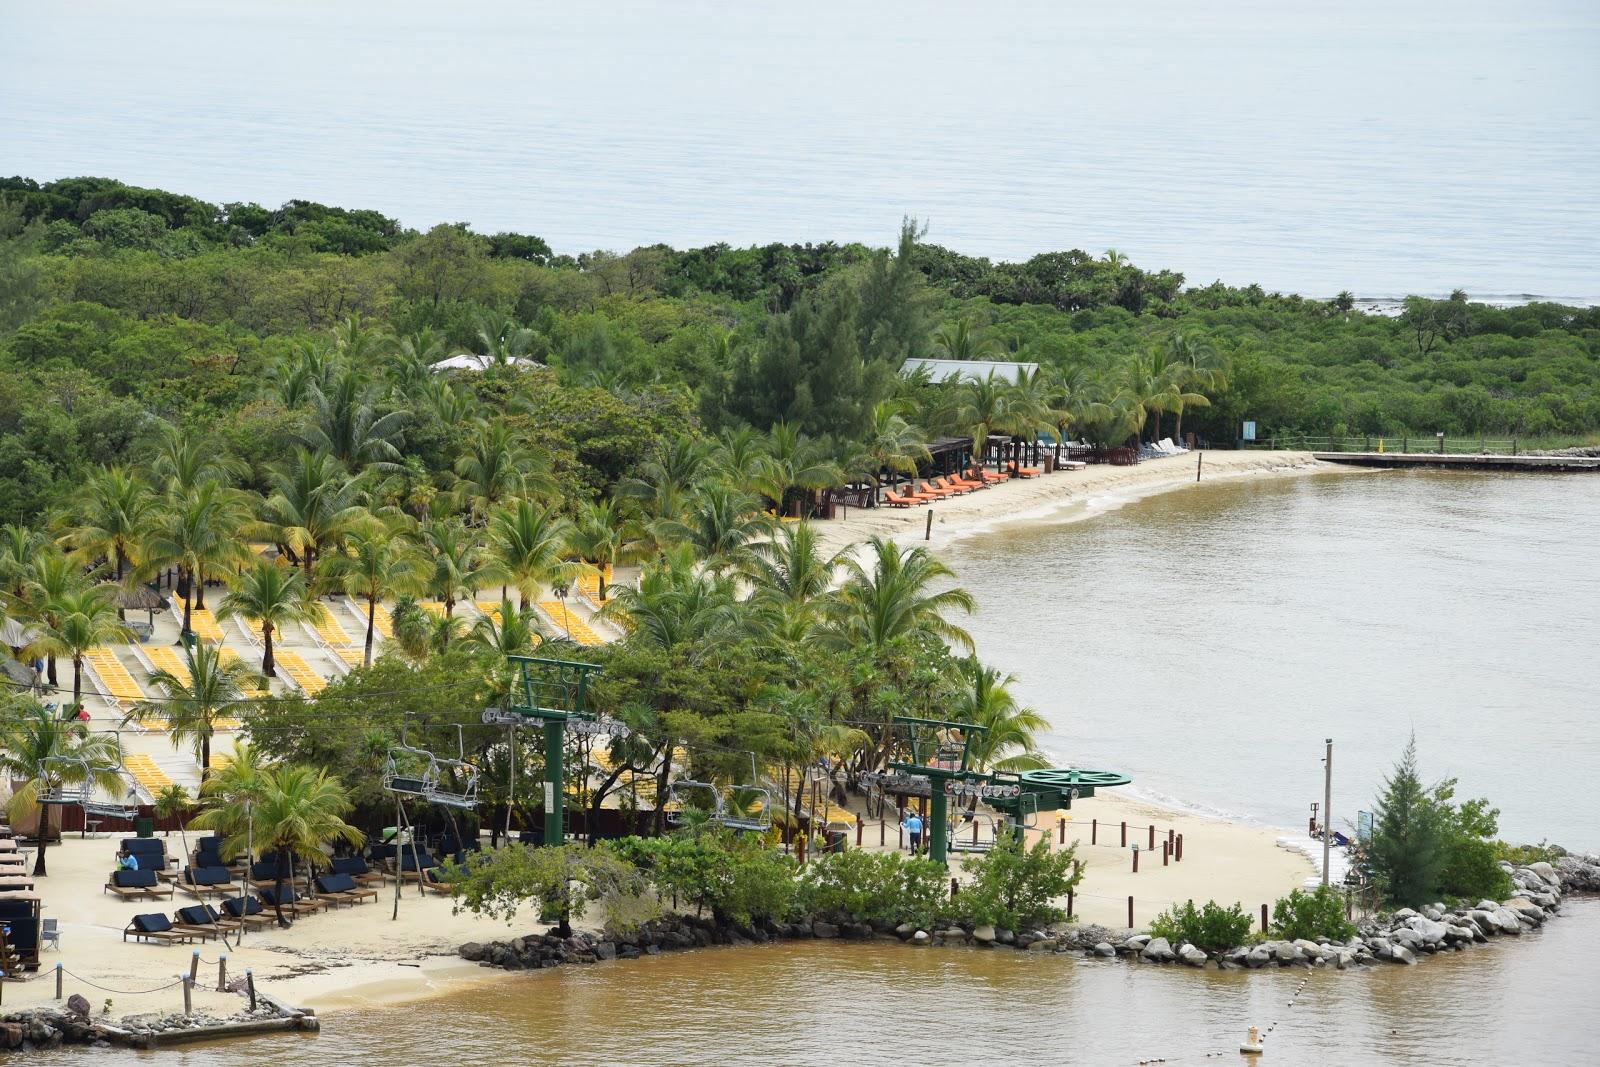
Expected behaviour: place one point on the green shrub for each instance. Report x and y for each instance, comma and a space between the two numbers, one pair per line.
1211, 928
1015, 887
873, 887
737, 878
1319, 913
1522, 855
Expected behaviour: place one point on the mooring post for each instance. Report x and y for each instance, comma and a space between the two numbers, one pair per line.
222, 973
58, 981
1069, 903
1166, 853
1152, 838
194, 965
927, 534
188, 1000
1094, 831
1061, 829
250, 987
1136, 857
1124, 833
1172, 836
1263, 918
1130, 911
1178, 853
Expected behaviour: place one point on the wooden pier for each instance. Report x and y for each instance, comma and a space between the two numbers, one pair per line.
1462, 461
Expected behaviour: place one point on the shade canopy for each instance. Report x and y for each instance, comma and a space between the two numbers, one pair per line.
138, 598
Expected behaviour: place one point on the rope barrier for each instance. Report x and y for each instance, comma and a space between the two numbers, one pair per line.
123, 992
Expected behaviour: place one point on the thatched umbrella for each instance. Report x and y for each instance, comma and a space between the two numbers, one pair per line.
137, 598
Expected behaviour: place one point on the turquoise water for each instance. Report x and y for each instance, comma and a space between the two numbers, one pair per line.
1382, 147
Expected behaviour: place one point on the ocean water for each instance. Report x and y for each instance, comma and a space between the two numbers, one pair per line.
1206, 641
1381, 147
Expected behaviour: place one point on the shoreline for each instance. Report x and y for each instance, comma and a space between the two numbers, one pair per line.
1052, 497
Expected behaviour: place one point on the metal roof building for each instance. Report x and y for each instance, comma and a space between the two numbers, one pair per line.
944, 370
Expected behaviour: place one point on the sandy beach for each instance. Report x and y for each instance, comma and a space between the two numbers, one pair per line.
360, 956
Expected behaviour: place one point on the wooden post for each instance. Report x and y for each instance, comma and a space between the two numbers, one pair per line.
1124, 833
974, 831
1263, 918
882, 832
1135, 859
1166, 853
1172, 837
955, 887
58, 981
902, 833
1200, 462
1069, 903
222, 973
800, 848
1130, 911
860, 826
1061, 829
250, 987
194, 966
1152, 838
188, 995
927, 534
1094, 831
1178, 854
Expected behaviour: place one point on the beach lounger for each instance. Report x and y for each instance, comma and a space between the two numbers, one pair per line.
155, 927
989, 477
342, 889
291, 901
929, 489
1019, 471
206, 882
970, 483
896, 501
138, 885
246, 910
432, 884
357, 869
203, 921
959, 488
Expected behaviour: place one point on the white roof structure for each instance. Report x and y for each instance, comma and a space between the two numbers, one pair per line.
468, 361
944, 370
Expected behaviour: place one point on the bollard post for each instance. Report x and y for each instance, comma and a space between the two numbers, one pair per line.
1152, 838
1263, 918
1172, 837
883, 832
1166, 853
58, 981
1178, 855
860, 826
1136, 857
1124, 833
1094, 831
194, 966
188, 997
1061, 828
1130, 911
222, 973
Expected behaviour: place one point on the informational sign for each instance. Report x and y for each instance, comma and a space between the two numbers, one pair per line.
1249, 432
1364, 826
549, 795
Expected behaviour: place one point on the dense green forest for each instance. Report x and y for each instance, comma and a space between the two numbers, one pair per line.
122, 309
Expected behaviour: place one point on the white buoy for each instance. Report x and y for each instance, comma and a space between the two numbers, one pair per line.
1252, 1041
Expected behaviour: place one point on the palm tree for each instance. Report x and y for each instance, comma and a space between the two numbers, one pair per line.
527, 546
214, 690
454, 560
196, 532
507, 632
270, 596
420, 634
895, 596
892, 444
311, 505
171, 802
110, 518
18, 544
496, 468
666, 479
411, 360
51, 578
375, 563
1007, 740
720, 524
738, 456
677, 604
1200, 367
183, 462
502, 340
794, 462
790, 567
964, 339
348, 421
605, 538
32, 742
294, 810
980, 409
80, 620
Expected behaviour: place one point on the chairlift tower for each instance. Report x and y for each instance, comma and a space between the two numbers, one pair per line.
552, 692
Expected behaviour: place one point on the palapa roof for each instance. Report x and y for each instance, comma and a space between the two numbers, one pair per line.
139, 597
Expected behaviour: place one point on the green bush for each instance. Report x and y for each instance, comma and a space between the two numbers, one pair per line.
737, 878
1319, 913
1015, 887
1211, 928
1522, 855
873, 887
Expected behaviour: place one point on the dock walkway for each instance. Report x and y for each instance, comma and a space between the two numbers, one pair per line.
1462, 461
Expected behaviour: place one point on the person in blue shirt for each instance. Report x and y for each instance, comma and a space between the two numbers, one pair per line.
126, 861
914, 828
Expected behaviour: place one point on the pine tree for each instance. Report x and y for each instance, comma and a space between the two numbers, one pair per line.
1406, 855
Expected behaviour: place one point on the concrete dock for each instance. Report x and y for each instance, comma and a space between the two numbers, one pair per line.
1463, 461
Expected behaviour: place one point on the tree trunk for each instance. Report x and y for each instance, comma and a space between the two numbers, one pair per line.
372, 619
77, 682
50, 671
44, 836
188, 607
1177, 430
266, 649
205, 752
277, 901
199, 584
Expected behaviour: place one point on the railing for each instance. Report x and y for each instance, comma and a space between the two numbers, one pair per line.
1404, 442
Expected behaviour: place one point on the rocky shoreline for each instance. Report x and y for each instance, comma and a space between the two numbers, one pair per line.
51, 1028
1399, 937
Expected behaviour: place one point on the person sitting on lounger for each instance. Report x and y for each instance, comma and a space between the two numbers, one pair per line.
126, 861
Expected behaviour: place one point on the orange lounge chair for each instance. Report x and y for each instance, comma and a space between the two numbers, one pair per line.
1019, 471
939, 493
989, 477
945, 483
896, 501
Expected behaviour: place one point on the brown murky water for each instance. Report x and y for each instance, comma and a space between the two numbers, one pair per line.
1521, 1001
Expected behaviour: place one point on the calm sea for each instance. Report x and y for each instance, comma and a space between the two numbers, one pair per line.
1208, 640
1381, 146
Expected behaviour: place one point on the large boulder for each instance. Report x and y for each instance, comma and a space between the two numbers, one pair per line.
1043, 944
984, 934
1507, 922
1309, 949
1526, 908
1286, 951
921, 938
1429, 930
1546, 872
1259, 956
1401, 954
1136, 943
824, 930
1158, 950
1192, 956
1104, 949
